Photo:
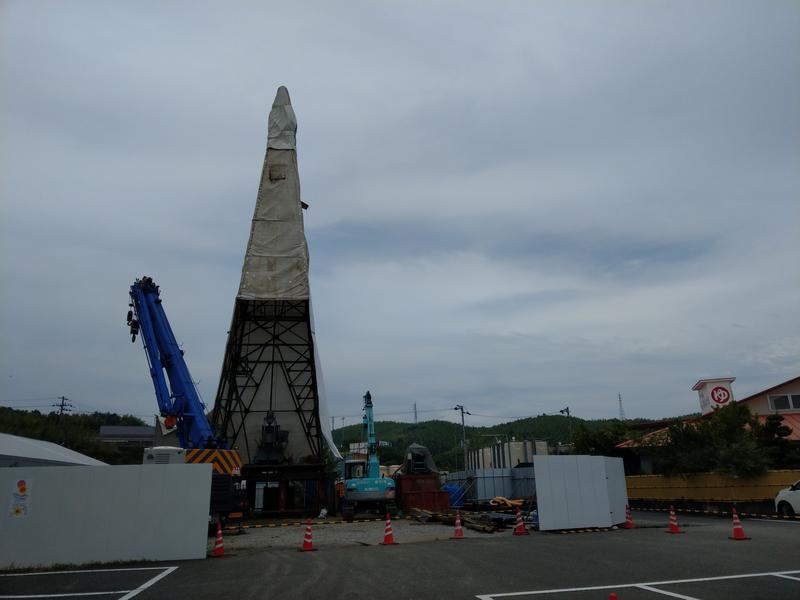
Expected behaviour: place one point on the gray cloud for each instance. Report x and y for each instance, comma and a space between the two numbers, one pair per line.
513, 209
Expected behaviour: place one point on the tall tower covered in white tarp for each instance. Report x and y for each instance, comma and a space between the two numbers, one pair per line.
270, 401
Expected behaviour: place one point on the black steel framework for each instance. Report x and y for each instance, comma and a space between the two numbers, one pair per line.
268, 338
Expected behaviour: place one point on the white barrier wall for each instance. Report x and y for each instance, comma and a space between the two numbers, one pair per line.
74, 515
579, 491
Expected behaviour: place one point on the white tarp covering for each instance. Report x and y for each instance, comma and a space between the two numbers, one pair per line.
276, 261
282, 122
327, 433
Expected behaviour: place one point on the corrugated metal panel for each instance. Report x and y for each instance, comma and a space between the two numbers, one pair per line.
576, 491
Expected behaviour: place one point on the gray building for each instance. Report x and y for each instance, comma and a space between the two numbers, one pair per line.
505, 455
127, 435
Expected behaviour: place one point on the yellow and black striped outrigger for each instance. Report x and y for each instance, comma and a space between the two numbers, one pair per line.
226, 462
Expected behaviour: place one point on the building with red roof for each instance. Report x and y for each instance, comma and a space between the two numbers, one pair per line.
783, 399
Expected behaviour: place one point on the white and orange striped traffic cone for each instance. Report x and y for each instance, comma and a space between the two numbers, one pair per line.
388, 535
738, 532
307, 546
628, 518
458, 534
219, 548
519, 529
673, 522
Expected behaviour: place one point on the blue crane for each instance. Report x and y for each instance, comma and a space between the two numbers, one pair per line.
179, 401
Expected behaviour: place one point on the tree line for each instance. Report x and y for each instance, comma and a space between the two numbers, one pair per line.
731, 441
80, 432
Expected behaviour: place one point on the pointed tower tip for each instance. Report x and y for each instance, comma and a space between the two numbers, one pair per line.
282, 97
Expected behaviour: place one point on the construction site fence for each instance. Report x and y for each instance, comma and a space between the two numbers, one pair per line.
709, 487
485, 484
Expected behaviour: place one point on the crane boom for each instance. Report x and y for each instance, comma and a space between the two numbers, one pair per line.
178, 400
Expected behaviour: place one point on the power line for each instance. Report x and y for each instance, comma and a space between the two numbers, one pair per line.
24, 400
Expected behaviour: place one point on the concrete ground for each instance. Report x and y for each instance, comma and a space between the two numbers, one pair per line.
643, 563
367, 533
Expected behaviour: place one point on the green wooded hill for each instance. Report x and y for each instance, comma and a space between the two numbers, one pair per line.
443, 438
77, 432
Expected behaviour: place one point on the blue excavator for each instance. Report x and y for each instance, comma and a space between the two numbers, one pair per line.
364, 487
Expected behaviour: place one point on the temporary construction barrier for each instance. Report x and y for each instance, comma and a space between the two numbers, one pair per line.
116, 513
485, 484
576, 492
519, 528
308, 545
673, 522
458, 534
738, 531
709, 487
388, 534
219, 548
628, 518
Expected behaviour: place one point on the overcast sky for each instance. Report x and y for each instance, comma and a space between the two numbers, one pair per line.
514, 206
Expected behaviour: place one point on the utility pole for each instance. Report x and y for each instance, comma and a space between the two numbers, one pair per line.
621, 410
463, 432
65, 406
332, 428
565, 411
415, 413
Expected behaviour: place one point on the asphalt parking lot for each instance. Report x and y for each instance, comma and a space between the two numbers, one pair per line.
644, 563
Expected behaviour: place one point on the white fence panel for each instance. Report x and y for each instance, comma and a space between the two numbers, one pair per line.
579, 491
81, 514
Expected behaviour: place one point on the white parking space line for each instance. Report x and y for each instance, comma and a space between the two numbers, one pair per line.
665, 593
787, 576
128, 593
147, 584
793, 522
34, 573
643, 585
72, 595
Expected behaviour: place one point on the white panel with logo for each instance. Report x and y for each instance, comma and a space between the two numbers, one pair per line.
714, 393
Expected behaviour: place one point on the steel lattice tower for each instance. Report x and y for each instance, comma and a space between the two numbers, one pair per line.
270, 374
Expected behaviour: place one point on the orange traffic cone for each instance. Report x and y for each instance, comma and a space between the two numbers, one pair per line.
738, 532
519, 529
388, 536
219, 548
459, 533
673, 522
628, 518
307, 545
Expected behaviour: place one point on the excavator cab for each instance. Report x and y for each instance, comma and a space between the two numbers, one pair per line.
355, 469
